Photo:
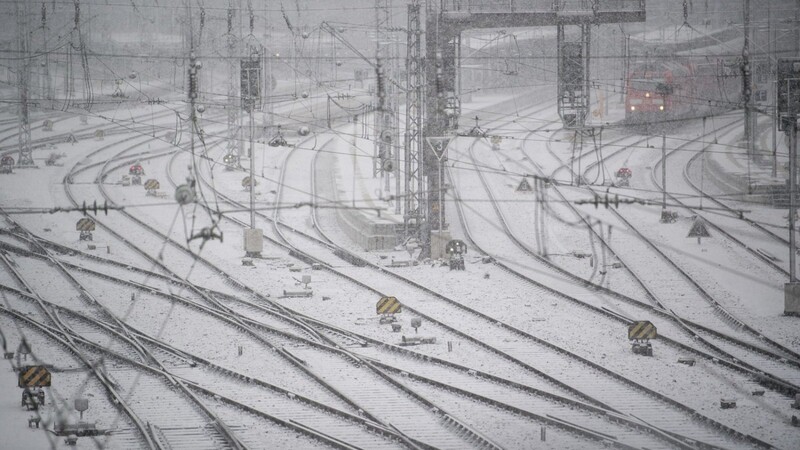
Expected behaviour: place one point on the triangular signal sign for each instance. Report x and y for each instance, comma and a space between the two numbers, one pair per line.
438, 145
699, 229
524, 186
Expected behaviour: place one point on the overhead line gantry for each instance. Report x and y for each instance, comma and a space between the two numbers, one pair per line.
445, 21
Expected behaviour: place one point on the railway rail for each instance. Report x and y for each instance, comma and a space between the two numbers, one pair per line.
327, 247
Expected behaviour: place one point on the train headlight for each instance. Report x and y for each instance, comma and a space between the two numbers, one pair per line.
661, 108
647, 95
633, 108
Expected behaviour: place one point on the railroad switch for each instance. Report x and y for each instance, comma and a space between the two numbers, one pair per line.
8, 355
727, 403
387, 318
758, 392
415, 340
642, 348
688, 361
668, 216
796, 404
32, 399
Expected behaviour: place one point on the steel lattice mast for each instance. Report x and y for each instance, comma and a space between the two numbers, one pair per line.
23, 75
384, 117
414, 201
232, 144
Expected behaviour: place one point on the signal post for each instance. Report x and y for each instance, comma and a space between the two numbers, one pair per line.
788, 109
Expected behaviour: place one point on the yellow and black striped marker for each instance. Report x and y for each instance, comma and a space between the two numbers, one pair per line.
151, 185
85, 224
388, 305
33, 376
642, 329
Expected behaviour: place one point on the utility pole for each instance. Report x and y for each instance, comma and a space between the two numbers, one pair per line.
665, 215
23, 73
46, 69
355, 155
792, 198
414, 206
747, 83
384, 119
250, 77
232, 144
772, 48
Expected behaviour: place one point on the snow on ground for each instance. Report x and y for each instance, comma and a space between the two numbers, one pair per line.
710, 260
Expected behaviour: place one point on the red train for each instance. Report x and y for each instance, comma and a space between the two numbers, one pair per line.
684, 81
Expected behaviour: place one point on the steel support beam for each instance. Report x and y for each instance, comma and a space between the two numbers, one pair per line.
573, 75
23, 74
445, 21
414, 200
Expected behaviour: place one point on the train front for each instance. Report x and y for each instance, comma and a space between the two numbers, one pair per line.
648, 97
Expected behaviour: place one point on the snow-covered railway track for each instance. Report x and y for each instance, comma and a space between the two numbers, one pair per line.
741, 344
780, 363
325, 245
482, 387
506, 406
619, 391
450, 434
157, 263
184, 408
335, 426
88, 132
74, 374
447, 423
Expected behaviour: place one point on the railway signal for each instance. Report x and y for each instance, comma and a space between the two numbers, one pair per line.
246, 183
81, 405
85, 225
184, 194
524, 186
151, 186
231, 161
788, 92
699, 229
640, 333
456, 249
6, 164
33, 377
387, 307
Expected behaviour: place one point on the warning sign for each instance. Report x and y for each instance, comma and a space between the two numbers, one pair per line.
388, 305
33, 376
85, 224
699, 229
438, 146
246, 182
643, 329
524, 186
151, 184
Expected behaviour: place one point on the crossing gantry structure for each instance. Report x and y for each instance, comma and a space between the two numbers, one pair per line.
445, 20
